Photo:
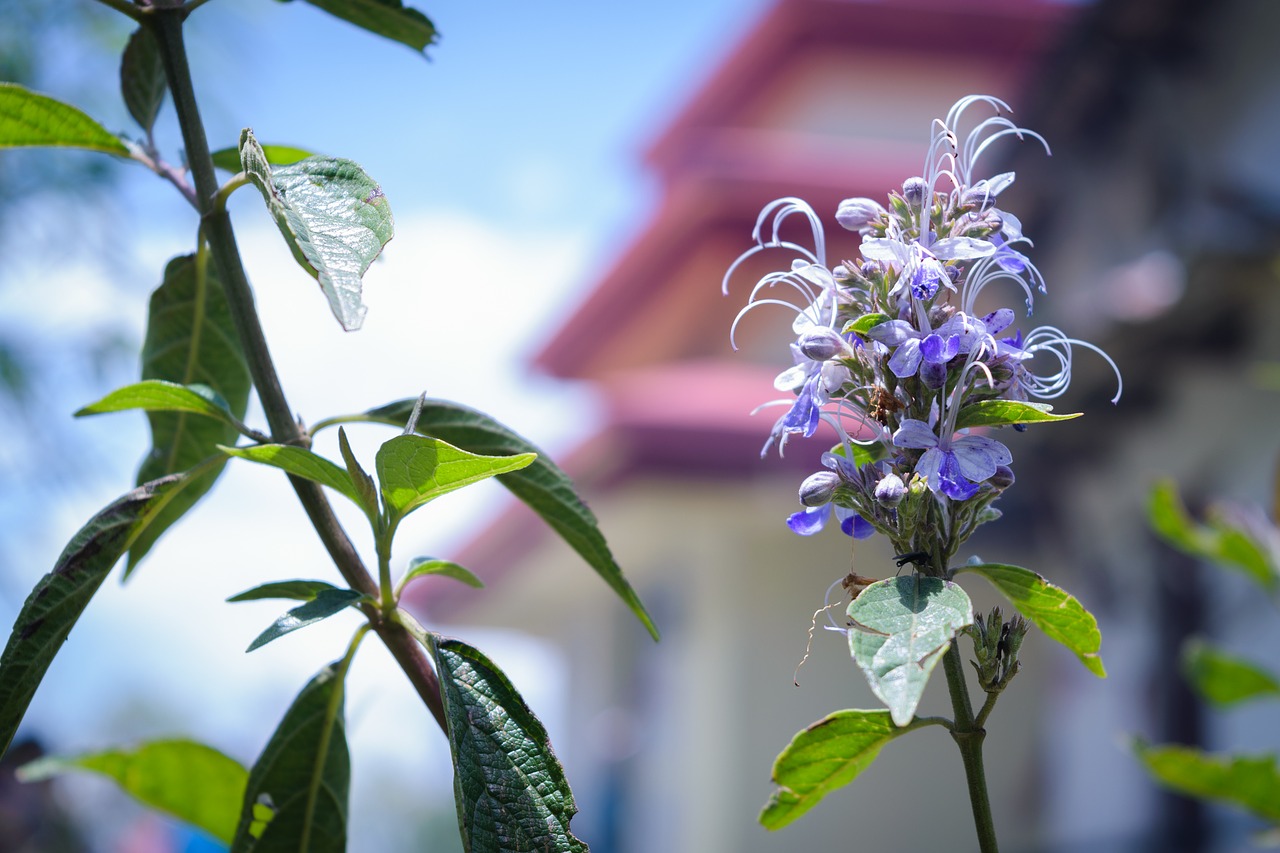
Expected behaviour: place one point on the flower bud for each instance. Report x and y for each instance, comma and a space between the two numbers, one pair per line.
1002, 478
913, 191
890, 490
818, 488
821, 343
860, 214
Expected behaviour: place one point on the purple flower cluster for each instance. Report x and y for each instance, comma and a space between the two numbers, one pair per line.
892, 354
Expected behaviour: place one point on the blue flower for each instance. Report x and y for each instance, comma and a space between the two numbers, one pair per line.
955, 465
809, 521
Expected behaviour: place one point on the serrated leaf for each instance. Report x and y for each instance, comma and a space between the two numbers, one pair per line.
510, 790
827, 755
142, 80
296, 798
543, 486
57, 601
192, 782
299, 462
865, 323
1220, 541
31, 120
422, 566
191, 339
300, 590
1252, 783
902, 627
366, 489
1000, 412
333, 216
228, 159
156, 395
324, 604
1225, 679
415, 469
1054, 611
387, 18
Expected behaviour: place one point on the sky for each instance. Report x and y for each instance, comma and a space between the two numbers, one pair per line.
511, 162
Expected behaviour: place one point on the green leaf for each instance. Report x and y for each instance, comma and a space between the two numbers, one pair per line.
301, 590
902, 627
1224, 679
999, 412
862, 453
1220, 541
543, 486
1051, 608
387, 18
510, 790
156, 395
865, 323
300, 463
142, 80
57, 601
827, 755
325, 603
1253, 783
296, 799
192, 782
365, 487
228, 159
415, 469
191, 339
333, 216
421, 566
29, 119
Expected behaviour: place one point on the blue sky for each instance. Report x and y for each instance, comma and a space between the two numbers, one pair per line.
511, 161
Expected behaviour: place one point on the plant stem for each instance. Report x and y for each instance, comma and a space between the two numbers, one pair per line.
166, 24
968, 735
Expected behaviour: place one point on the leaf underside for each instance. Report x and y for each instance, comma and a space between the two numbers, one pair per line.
387, 18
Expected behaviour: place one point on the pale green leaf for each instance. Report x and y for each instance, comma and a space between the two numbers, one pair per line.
156, 395
31, 120
901, 628
1051, 608
1224, 679
324, 604
510, 790
865, 323
1000, 412
415, 469
228, 158
192, 782
300, 463
142, 80
296, 798
827, 755
423, 566
300, 590
1220, 541
364, 485
543, 486
333, 216
1252, 783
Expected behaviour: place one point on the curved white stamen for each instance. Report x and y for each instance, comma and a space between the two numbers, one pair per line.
1052, 340
733, 329
760, 247
827, 605
988, 270
784, 207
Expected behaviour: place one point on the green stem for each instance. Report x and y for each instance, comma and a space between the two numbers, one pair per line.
968, 735
166, 24
124, 7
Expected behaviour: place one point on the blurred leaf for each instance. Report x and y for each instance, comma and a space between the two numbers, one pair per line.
333, 216
543, 486
296, 799
827, 755
57, 601
228, 159
191, 339
1220, 541
300, 463
415, 469
1222, 678
421, 566
510, 790
142, 81
155, 395
387, 18
325, 603
998, 412
301, 590
192, 782
1051, 608
29, 120
902, 627
1250, 783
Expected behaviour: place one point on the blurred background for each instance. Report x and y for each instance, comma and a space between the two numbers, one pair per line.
569, 184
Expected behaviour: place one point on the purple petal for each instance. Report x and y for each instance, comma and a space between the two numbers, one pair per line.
998, 320
978, 456
809, 521
852, 524
906, 359
893, 332
934, 376
803, 417
915, 434
939, 349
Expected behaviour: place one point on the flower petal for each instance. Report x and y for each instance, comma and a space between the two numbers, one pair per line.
978, 456
915, 434
809, 521
906, 359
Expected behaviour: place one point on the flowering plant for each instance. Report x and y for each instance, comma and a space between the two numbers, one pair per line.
895, 355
